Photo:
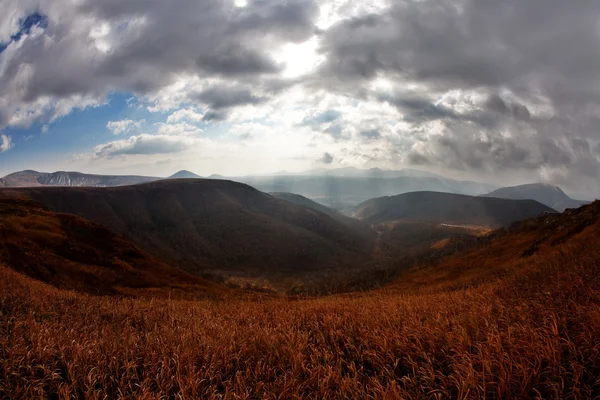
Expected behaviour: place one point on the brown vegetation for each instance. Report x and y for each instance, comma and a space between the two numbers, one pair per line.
518, 317
69, 252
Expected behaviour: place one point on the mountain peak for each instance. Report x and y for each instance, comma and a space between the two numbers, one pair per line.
545, 193
184, 174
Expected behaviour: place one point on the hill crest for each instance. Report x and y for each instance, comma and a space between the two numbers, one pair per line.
449, 208
550, 195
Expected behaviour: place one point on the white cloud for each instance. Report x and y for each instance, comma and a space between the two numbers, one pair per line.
124, 126
185, 114
5, 143
146, 145
181, 129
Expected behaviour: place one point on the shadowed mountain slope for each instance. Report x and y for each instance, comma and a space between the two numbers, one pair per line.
214, 226
550, 195
70, 252
449, 208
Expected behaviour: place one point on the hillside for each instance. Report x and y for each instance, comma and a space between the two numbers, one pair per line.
450, 209
507, 251
552, 196
61, 178
69, 252
215, 226
516, 317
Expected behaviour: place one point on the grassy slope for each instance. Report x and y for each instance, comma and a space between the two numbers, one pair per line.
526, 329
72, 253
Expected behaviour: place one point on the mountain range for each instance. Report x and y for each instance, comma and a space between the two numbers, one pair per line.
215, 226
346, 186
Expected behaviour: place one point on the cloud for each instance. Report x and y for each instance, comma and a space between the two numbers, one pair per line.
185, 114
326, 158
145, 145
5, 143
124, 126
222, 97
179, 129
481, 85
316, 119
90, 49
508, 85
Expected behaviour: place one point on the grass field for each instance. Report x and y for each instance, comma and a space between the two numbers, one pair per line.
528, 331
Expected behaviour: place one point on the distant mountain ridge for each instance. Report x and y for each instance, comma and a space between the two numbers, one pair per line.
550, 195
29, 178
450, 208
352, 191
184, 174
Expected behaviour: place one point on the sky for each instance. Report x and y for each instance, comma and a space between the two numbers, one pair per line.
506, 92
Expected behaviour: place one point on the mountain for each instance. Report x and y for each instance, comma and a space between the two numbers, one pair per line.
306, 202
30, 178
344, 192
354, 172
450, 209
359, 226
565, 241
550, 195
214, 226
72, 253
184, 174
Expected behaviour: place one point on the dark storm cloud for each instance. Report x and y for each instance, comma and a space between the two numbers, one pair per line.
236, 61
215, 116
221, 97
469, 43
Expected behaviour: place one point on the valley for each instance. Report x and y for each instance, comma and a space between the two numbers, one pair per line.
449, 328
213, 289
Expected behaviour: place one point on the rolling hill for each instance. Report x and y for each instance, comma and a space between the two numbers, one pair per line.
72, 253
449, 209
215, 226
550, 195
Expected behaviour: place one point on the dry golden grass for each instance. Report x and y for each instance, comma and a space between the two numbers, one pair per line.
531, 333
518, 317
